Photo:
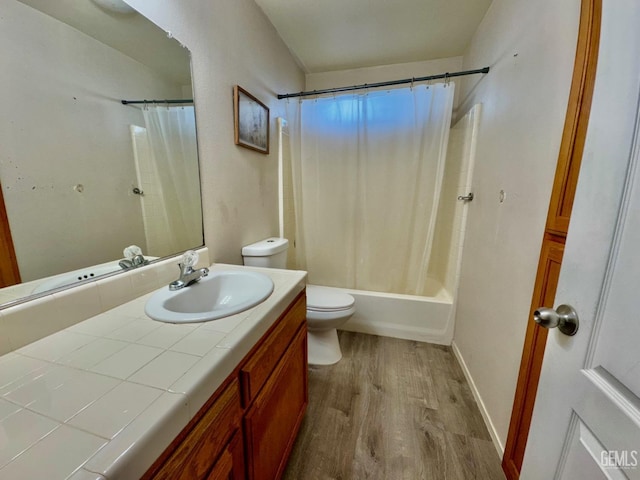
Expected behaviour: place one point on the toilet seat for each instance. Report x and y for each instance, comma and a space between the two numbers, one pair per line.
324, 300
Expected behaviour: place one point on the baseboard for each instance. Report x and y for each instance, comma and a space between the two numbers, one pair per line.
478, 398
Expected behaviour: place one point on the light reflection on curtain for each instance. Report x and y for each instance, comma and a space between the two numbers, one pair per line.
172, 140
367, 178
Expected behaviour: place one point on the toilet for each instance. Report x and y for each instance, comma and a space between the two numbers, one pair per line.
327, 308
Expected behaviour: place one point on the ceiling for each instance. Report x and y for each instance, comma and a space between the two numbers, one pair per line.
326, 35
131, 34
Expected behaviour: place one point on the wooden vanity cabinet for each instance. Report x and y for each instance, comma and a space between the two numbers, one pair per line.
230, 464
273, 420
247, 428
262, 362
215, 434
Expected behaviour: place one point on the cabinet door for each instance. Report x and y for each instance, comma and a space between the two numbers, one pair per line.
273, 421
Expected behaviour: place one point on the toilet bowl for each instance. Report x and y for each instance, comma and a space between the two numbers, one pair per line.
327, 309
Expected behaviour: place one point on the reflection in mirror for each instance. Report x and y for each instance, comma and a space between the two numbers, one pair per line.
83, 175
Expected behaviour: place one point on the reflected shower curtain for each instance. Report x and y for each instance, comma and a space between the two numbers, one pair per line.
172, 140
367, 173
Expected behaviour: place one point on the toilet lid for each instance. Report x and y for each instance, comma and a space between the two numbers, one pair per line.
324, 300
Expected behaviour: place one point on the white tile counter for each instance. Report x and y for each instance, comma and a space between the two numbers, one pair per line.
103, 398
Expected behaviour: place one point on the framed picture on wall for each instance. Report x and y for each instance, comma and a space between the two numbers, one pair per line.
251, 121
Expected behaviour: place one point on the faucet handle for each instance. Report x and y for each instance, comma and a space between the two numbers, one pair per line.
131, 251
190, 258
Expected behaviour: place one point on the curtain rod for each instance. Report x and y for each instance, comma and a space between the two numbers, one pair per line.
183, 100
385, 84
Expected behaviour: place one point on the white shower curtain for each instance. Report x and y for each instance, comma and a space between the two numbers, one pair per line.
172, 140
367, 174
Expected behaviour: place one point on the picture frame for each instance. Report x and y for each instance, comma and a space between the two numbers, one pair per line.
251, 118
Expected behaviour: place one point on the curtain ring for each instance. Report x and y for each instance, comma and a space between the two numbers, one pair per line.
413, 79
446, 79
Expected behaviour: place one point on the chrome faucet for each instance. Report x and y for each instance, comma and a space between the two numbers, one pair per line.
188, 276
135, 262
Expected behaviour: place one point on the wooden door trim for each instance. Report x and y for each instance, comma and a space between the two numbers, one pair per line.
532, 356
9, 272
576, 119
560, 205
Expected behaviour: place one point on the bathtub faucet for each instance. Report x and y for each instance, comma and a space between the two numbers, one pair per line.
188, 276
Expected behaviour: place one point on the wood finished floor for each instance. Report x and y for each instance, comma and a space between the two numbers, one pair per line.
392, 410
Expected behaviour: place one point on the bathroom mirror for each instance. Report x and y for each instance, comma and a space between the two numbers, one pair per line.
83, 175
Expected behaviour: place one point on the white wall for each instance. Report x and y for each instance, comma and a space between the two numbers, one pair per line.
231, 42
530, 47
385, 73
62, 123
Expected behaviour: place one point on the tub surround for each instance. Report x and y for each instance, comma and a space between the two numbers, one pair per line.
102, 398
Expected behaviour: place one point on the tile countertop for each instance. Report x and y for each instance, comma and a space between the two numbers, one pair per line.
102, 399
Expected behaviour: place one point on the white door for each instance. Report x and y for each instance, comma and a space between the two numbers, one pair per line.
586, 422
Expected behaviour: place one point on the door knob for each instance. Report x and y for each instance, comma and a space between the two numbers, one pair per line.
564, 317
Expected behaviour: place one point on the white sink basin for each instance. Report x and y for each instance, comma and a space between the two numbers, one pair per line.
218, 295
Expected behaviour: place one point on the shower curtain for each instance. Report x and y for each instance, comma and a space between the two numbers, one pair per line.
367, 174
172, 141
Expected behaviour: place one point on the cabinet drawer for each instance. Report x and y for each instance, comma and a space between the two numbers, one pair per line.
255, 372
203, 444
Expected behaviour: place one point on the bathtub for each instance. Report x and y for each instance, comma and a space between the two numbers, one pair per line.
410, 317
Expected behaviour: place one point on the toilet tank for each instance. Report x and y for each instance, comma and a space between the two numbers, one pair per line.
270, 253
